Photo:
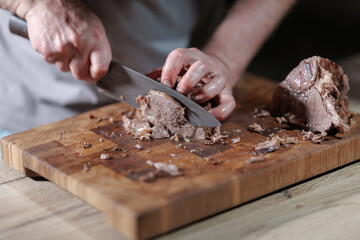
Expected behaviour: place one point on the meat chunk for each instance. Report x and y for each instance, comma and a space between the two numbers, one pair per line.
268, 146
314, 96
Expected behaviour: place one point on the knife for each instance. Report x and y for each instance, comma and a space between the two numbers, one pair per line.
125, 84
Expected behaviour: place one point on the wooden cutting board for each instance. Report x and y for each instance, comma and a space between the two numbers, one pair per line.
215, 178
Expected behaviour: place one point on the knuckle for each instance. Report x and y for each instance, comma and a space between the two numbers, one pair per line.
177, 53
194, 49
62, 66
201, 63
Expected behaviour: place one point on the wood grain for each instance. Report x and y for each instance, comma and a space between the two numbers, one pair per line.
142, 210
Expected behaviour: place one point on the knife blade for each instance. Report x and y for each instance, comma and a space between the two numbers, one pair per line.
124, 84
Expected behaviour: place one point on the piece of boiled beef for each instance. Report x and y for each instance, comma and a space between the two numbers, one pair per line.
314, 96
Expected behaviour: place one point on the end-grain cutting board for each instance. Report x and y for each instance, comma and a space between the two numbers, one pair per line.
214, 177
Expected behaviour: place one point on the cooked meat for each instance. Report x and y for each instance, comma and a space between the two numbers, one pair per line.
86, 145
286, 141
270, 145
281, 120
105, 156
314, 96
163, 117
254, 127
259, 113
169, 169
313, 137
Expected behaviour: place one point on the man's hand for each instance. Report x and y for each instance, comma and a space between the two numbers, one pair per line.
201, 68
67, 33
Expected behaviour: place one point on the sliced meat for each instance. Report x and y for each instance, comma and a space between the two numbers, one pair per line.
314, 96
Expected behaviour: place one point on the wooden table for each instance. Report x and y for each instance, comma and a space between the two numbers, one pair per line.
325, 207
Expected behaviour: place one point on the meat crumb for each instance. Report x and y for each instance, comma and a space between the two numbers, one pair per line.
175, 137
117, 149
286, 141
169, 169
179, 145
235, 140
138, 146
104, 156
311, 136
268, 146
86, 145
260, 112
258, 158
149, 177
281, 120
212, 161
255, 128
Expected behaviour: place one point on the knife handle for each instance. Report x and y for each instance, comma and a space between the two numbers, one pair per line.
18, 26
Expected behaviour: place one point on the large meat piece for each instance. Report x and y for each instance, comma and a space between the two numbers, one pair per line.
160, 116
314, 96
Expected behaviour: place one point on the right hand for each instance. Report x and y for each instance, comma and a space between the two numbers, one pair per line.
68, 34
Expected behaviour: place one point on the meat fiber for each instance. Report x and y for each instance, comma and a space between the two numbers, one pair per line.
160, 116
314, 96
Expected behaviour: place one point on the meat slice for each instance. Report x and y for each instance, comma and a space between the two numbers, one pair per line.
314, 96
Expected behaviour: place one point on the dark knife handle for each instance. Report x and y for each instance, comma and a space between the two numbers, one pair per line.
18, 26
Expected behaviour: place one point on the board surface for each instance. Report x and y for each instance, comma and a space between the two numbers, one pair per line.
215, 177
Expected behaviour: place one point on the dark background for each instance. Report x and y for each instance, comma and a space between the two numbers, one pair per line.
326, 28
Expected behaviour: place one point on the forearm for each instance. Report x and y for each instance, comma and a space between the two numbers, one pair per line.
243, 31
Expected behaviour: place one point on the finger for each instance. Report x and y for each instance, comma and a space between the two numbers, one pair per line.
225, 107
210, 90
63, 65
100, 58
175, 61
50, 58
79, 66
195, 73
172, 67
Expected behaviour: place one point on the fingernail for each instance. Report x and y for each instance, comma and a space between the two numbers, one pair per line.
180, 89
196, 98
167, 83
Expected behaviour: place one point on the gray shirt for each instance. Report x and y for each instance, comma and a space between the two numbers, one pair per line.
141, 35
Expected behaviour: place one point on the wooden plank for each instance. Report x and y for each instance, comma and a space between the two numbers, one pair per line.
141, 210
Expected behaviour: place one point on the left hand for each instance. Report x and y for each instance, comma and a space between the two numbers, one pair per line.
205, 68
